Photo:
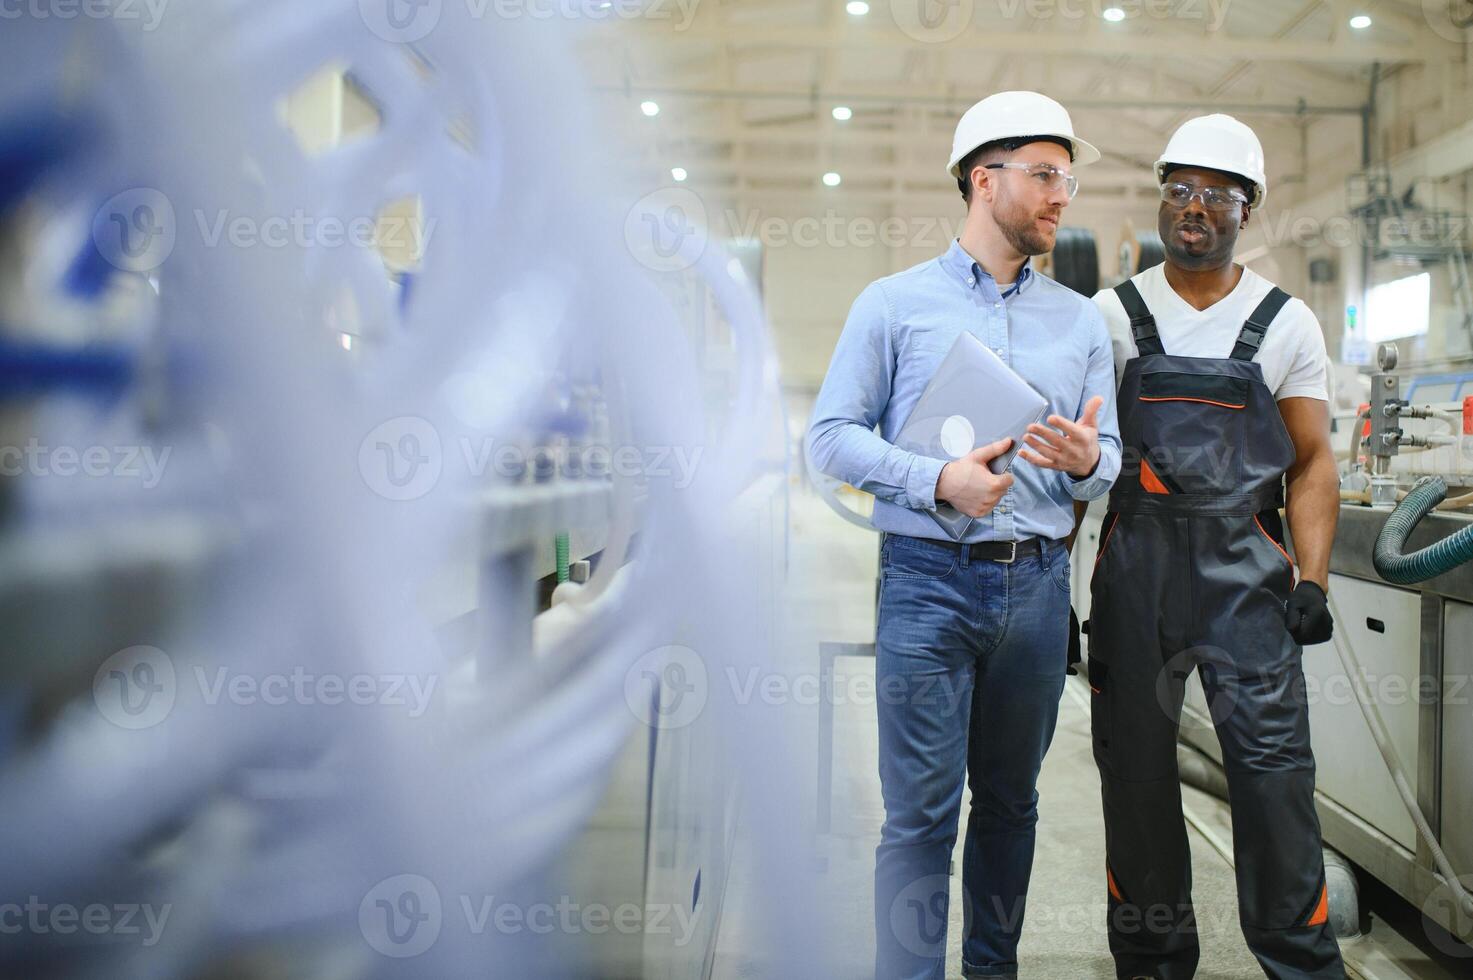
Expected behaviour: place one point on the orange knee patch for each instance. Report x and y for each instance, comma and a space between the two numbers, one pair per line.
1322, 910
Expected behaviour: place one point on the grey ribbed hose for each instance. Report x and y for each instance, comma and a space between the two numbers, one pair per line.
1431, 561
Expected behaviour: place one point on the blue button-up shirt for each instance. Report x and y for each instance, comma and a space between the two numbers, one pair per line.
900, 329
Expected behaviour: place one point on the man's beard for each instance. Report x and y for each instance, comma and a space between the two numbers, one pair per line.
1020, 228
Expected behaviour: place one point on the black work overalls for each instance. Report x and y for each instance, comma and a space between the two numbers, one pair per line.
1192, 574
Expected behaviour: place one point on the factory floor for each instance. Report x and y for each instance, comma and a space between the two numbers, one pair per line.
831, 592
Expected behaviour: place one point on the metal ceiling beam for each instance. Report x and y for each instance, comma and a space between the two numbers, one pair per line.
852, 94
1094, 175
1096, 202
918, 154
855, 133
1384, 15
1244, 67
1342, 50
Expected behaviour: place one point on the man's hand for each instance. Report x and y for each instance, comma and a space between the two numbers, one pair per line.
1307, 615
1071, 447
969, 486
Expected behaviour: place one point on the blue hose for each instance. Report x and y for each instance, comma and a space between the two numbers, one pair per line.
1433, 560
29, 370
32, 144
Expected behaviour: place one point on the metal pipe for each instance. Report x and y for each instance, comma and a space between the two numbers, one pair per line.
1367, 125
1368, 116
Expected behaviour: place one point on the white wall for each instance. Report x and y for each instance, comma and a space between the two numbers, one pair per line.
819, 252
1422, 129
816, 261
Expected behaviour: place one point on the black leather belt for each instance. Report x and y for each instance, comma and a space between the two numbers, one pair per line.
1003, 552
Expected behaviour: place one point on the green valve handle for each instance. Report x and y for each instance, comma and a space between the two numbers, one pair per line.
562, 557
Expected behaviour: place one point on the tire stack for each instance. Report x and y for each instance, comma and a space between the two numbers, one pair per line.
1139, 251
1075, 261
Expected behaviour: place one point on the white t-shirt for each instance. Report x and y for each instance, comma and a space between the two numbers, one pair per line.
1293, 357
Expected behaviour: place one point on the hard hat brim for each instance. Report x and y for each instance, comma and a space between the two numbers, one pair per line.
1084, 153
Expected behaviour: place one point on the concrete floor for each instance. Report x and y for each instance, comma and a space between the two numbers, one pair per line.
831, 587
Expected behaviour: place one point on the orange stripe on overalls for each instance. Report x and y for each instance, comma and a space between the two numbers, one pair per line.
1150, 480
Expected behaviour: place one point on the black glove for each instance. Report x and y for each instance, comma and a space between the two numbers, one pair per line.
1074, 650
1308, 615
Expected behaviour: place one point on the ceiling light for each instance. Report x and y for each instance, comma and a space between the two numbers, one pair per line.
857, 8
843, 113
831, 179
678, 173
1360, 21
1114, 14
650, 108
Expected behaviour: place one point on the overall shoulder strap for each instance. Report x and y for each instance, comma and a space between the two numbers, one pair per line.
1251, 337
1142, 323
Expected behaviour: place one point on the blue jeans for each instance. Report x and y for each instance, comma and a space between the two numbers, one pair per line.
970, 664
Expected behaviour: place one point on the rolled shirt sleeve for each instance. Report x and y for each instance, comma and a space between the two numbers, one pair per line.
842, 441
1099, 380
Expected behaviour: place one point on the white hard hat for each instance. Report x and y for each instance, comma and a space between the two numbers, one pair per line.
1217, 142
1013, 114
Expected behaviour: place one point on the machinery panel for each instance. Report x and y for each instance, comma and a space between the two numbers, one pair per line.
1457, 737
605, 866
1350, 768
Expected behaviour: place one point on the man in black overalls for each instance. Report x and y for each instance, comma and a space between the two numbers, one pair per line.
1192, 573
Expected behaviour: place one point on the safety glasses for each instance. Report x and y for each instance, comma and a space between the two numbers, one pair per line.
1179, 195
1047, 175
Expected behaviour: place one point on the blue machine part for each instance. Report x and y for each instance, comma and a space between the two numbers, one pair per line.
28, 370
33, 147
30, 146
1440, 388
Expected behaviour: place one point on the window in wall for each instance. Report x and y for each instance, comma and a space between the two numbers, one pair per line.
1399, 308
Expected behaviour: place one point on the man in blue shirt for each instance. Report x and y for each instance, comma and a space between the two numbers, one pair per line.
971, 645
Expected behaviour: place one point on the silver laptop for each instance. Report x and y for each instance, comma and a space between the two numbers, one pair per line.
972, 400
